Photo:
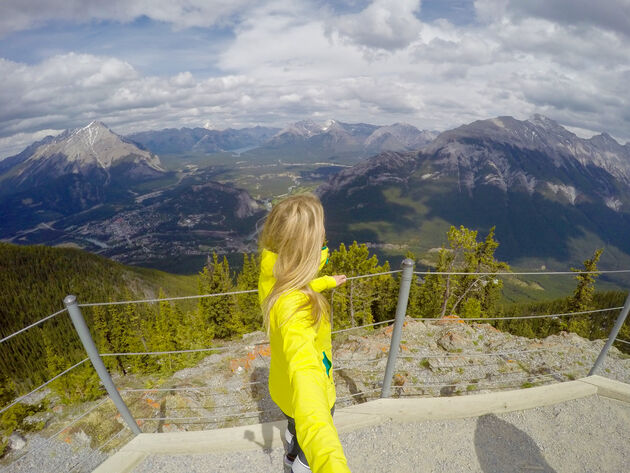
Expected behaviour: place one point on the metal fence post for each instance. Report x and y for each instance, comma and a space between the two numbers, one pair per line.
401, 311
86, 338
612, 336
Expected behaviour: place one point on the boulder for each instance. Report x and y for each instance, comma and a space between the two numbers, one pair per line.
16, 441
452, 341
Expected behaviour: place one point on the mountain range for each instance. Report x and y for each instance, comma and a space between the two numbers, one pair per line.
335, 141
550, 194
94, 189
301, 141
202, 140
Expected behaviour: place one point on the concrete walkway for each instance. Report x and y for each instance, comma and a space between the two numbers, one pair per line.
586, 418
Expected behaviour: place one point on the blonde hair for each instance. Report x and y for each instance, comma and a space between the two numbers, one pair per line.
294, 230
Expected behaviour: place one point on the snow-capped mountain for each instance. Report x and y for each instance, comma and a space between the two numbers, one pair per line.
69, 173
93, 149
537, 134
353, 141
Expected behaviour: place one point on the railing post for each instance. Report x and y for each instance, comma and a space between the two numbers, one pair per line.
612, 336
86, 338
401, 311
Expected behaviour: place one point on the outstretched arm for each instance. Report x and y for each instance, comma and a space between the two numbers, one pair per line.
327, 282
316, 432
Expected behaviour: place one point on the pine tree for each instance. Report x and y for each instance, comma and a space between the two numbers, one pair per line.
248, 305
466, 255
582, 298
356, 302
219, 312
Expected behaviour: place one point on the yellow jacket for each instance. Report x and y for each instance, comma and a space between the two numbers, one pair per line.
300, 377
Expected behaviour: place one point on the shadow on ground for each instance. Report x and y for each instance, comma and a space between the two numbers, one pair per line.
502, 448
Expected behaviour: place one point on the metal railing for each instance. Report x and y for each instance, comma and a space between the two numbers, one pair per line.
73, 308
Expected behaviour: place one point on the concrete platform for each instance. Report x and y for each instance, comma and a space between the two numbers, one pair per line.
407, 410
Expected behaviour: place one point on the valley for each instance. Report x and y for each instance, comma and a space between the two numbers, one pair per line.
553, 197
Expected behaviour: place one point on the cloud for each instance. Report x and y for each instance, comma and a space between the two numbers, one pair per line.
361, 61
384, 24
610, 14
24, 14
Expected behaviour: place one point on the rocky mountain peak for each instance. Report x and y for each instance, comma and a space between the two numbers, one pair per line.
329, 124
94, 145
306, 128
604, 140
543, 121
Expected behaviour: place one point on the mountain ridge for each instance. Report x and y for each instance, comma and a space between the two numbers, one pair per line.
544, 188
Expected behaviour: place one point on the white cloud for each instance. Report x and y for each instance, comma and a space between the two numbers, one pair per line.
289, 62
24, 14
384, 24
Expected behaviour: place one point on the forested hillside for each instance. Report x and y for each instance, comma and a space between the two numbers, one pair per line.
36, 279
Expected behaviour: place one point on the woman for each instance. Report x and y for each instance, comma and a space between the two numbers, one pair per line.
297, 319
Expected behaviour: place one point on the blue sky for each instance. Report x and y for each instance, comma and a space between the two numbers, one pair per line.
436, 64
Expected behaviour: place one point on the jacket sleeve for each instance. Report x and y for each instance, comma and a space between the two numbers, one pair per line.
323, 283
315, 430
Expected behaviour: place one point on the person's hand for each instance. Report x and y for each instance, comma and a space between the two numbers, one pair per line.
340, 279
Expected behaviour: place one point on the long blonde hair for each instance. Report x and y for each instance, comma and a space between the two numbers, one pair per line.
294, 229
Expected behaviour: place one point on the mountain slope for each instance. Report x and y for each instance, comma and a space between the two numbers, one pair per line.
92, 189
93, 149
202, 140
307, 140
69, 173
547, 191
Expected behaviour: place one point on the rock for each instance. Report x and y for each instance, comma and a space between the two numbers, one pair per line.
254, 337
172, 428
399, 379
452, 341
449, 320
43, 416
81, 438
16, 441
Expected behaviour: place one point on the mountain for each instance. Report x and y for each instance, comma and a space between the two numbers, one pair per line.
398, 137
202, 140
171, 228
550, 194
91, 188
337, 141
93, 149
70, 173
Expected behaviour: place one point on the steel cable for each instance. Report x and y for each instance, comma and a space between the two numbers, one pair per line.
40, 387
32, 325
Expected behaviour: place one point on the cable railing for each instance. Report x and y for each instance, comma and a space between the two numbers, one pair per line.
32, 325
73, 308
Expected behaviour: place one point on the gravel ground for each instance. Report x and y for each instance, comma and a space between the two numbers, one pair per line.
585, 435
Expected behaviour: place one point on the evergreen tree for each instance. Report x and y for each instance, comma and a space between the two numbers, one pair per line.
248, 305
356, 302
464, 255
582, 298
219, 312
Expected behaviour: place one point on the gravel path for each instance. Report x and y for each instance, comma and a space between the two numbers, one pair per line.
585, 435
